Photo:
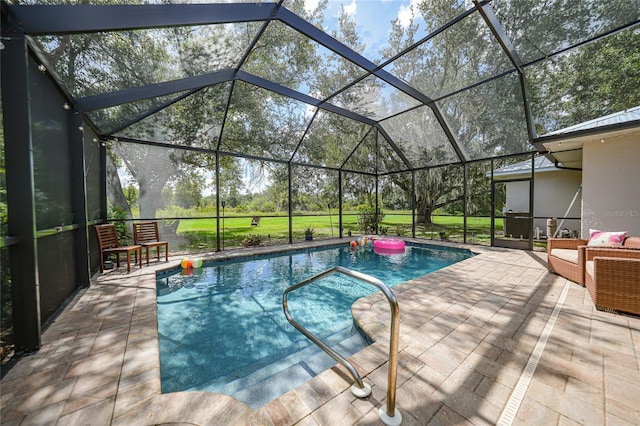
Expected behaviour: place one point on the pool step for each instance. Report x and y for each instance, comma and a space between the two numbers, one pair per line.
271, 381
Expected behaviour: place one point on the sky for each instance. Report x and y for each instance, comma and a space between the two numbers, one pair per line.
373, 19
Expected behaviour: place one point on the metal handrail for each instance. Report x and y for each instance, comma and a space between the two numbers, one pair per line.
392, 416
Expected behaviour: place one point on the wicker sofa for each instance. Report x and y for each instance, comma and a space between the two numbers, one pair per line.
612, 276
566, 257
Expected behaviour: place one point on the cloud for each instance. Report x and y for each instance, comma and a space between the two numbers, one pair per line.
405, 13
311, 5
350, 9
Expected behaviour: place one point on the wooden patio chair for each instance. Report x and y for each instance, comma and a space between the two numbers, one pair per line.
146, 234
108, 244
255, 221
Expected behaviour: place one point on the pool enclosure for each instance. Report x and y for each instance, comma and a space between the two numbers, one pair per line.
202, 116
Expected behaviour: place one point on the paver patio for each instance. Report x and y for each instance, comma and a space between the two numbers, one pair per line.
471, 334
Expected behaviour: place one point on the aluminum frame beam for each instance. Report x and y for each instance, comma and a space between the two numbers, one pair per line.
83, 18
490, 18
285, 91
107, 100
20, 185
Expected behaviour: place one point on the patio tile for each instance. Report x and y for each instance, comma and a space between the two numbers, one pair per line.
494, 392
622, 411
470, 405
278, 413
446, 417
413, 399
327, 414
533, 413
572, 408
47, 415
295, 407
107, 363
98, 414
443, 358
622, 386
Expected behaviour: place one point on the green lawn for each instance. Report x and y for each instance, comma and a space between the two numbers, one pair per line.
202, 232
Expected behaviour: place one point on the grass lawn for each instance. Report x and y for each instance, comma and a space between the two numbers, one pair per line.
202, 232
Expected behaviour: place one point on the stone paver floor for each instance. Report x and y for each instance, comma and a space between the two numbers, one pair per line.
470, 335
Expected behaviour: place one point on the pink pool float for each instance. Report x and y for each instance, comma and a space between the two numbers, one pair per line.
388, 246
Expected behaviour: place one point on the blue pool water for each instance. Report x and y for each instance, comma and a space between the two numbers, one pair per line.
226, 321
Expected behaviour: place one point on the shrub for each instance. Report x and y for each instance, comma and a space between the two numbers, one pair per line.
368, 219
118, 215
251, 240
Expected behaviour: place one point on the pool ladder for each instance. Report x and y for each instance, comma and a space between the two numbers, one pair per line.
389, 416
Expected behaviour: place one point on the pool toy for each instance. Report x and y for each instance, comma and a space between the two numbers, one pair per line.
353, 244
388, 246
191, 263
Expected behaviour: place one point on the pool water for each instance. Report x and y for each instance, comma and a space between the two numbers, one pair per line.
225, 321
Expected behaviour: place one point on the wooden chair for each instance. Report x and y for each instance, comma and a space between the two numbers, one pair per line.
108, 243
146, 234
255, 221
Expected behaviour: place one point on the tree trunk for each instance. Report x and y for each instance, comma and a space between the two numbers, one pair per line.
423, 214
114, 188
150, 200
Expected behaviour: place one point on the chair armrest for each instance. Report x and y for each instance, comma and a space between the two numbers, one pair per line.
620, 253
632, 242
564, 243
615, 272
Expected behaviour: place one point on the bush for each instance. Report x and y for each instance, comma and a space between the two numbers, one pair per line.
251, 240
368, 220
118, 216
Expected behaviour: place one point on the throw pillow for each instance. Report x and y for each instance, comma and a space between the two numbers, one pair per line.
602, 238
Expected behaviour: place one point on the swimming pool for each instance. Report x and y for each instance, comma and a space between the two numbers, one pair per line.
225, 321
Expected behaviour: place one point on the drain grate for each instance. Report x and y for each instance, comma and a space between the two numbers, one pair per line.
515, 400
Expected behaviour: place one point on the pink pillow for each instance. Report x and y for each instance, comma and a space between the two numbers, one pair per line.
610, 239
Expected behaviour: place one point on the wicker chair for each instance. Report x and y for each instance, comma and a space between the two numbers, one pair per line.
565, 257
612, 276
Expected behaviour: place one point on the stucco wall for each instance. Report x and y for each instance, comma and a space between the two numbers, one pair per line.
553, 192
611, 185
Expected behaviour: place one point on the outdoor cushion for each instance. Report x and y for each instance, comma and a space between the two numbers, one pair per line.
566, 254
610, 239
589, 267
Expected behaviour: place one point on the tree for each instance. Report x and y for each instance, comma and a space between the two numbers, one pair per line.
188, 191
590, 86
131, 194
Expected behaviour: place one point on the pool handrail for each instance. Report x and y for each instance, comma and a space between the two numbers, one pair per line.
390, 415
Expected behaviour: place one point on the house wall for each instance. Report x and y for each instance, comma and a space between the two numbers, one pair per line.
553, 192
611, 185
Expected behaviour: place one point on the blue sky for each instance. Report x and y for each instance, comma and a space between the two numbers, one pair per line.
373, 19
